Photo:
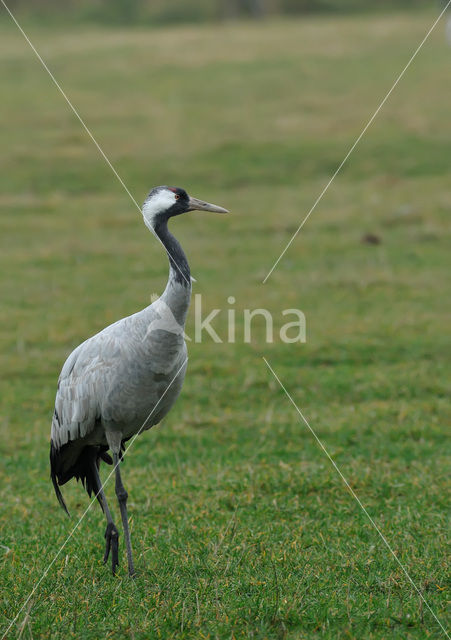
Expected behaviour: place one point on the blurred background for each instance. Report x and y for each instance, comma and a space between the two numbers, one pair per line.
251, 105
171, 11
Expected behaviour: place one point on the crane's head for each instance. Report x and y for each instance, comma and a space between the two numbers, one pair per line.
163, 203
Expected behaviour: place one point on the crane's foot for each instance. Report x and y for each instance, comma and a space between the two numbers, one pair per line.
131, 571
112, 544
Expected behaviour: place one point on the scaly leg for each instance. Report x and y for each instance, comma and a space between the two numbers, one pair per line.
111, 533
122, 496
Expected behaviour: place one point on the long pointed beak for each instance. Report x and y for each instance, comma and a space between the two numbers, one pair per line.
200, 205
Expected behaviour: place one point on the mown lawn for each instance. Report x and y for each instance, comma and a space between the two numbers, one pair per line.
241, 527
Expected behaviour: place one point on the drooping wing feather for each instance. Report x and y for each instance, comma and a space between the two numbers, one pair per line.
76, 403
82, 384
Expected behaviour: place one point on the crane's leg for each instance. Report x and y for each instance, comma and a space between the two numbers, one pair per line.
111, 533
122, 496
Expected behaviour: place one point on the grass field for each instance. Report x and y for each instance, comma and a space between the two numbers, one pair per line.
241, 527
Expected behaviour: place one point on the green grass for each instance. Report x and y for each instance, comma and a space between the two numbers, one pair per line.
241, 527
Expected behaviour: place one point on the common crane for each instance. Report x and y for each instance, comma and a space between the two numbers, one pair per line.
126, 378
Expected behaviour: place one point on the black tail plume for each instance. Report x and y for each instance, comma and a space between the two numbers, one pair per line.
53, 466
84, 468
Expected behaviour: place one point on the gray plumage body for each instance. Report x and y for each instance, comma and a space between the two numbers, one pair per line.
116, 380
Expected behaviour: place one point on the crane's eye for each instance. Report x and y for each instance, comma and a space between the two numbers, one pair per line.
177, 196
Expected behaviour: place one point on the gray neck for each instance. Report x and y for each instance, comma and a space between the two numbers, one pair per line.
177, 294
